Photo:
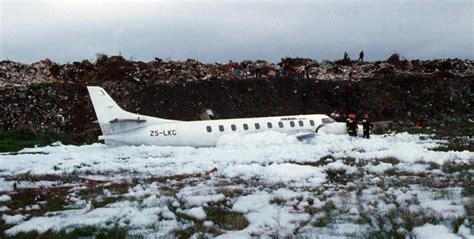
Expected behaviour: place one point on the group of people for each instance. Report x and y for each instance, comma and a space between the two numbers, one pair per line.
361, 56
351, 125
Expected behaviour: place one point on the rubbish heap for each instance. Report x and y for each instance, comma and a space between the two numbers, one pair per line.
116, 68
49, 96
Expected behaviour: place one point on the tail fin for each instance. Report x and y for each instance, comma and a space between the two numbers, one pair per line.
113, 119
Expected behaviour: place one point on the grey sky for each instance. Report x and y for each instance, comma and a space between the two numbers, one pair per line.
213, 31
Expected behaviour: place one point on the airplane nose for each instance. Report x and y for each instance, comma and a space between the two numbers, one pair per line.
334, 128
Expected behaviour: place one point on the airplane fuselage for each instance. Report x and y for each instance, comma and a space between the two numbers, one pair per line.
206, 133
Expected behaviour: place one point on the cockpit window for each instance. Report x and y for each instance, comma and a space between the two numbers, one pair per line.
327, 120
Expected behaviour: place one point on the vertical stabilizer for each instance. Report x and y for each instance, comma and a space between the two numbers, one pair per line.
106, 109
113, 119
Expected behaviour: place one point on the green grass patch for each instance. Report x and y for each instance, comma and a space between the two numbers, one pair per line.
226, 219
79, 232
23, 137
26, 137
441, 129
456, 145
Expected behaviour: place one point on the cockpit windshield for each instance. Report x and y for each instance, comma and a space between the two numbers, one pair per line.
328, 120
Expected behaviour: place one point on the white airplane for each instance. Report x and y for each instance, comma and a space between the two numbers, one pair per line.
120, 127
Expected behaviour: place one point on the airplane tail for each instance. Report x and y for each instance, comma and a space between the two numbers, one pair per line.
113, 119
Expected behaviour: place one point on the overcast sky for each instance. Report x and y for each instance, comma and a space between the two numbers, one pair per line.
217, 31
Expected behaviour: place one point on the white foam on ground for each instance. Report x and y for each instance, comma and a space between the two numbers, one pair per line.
5, 198
281, 163
4, 208
234, 151
196, 212
429, 231
15, 219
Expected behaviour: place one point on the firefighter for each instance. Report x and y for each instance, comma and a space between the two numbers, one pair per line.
354, 125
348, 123
351, 125
366, 126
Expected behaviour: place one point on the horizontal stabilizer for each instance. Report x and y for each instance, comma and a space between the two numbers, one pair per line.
117, 120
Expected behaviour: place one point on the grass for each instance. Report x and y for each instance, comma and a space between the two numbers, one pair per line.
28, 177
223, 219
390, 160
445, 129
79, 232
451, 166
27, 137
456, 144
226, 219
23, 137
54, 201
13, 141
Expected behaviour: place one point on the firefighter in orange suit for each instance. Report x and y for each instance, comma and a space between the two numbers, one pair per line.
366, 126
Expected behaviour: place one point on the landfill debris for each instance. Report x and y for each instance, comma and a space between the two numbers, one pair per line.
116, 68
49, 96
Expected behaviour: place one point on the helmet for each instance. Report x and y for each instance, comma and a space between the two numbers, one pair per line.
366, 116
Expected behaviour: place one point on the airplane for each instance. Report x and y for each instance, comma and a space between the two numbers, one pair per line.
120, 127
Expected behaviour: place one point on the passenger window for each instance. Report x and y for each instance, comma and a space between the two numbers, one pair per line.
221, 128
292, 123
280, 124
246, 127
209, 129
311, 122
233, 127
269, 125
301, 123
257, 126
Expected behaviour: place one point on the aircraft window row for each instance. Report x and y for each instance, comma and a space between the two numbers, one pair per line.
269, 125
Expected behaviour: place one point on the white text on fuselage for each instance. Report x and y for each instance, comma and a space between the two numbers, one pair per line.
171, 132
291, 118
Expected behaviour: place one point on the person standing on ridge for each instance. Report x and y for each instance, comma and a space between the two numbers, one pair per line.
366, 126
258, 70
361, 56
